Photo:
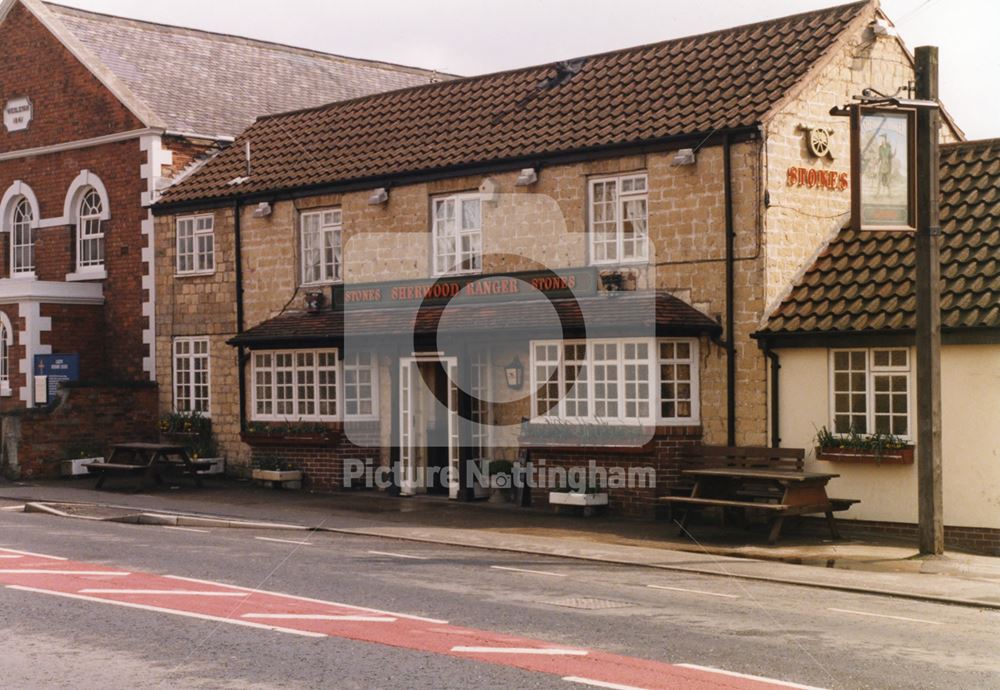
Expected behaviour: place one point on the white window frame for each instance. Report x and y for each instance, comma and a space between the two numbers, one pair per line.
90, 231
349, 363
200, 230
873, 371
295, 383
330, 230
6, 341
557, 414
621, 200
22, 218
473, 235
191, 357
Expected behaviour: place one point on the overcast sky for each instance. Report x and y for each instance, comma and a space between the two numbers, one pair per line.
470, 36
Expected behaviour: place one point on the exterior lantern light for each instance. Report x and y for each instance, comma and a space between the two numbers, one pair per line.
515, 374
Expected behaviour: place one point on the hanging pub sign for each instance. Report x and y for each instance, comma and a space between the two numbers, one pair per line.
883, 169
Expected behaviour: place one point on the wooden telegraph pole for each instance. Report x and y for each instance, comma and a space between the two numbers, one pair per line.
928, 292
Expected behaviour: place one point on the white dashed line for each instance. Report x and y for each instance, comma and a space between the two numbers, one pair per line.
883, 615
285, 541
188, 529
31, 553
160, 592
762, 679
399, 555
550, 651
600, 683
422, 619
14, 508
319, 617
694, 591
525, 570
39, 571
158, 609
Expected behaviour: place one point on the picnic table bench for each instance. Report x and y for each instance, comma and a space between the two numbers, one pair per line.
768, 480
150, 461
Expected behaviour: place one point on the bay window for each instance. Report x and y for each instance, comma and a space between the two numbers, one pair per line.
616, 381
870, 390
313, 385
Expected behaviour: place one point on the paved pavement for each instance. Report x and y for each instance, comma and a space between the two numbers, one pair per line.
808, 560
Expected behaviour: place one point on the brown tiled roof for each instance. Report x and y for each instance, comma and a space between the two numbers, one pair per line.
617, 313
215, 84
692, 86
865, 281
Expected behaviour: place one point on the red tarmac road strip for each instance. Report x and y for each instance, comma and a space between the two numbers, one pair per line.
213, 601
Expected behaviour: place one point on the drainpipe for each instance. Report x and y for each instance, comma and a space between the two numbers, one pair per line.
240, 354
730, 290
772, 357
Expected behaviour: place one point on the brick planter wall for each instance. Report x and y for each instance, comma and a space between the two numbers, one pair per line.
321, 459
631, 501
36, 441
982, 540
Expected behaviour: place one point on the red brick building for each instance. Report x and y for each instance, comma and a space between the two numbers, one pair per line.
99, 115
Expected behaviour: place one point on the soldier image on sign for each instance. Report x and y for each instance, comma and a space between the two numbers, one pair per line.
885, 173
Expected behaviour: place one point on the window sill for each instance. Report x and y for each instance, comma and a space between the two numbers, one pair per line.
194, 274
5, 391
87, 274
865, 456
24, 276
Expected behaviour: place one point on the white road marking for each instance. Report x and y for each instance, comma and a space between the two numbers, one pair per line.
158, 609
694, 591
31, 553
422, 619
158, 592
600, 683
762, 679
188, 529
14, 508
399, 555
525, 570
10, 555
320, 617
285, 541
551, 651
883, 615
39, 571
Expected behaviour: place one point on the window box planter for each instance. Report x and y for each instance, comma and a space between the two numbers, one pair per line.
867, 456
587, 438
587, 501
75, 467
287, 479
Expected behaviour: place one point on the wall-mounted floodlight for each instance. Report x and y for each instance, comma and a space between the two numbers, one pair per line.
527, 176
684, 157
378, 197
262, 210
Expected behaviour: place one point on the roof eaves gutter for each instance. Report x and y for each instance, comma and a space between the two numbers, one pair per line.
975, 335
735, 134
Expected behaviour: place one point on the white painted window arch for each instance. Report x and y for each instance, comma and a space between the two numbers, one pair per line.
6, 340
20, 216
87, 207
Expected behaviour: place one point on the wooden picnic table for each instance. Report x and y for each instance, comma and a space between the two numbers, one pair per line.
777, 491
150, 461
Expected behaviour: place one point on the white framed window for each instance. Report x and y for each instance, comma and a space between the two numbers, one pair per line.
90, 232
196, 244
616, 381
870, 391
321, 240
619, 219
457, 242
360, 386
192, 376
296, 385
22, 240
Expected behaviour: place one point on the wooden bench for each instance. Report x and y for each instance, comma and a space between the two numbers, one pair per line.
150, 461
770, 480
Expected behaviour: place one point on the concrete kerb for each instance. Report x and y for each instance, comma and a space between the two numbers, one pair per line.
188, 520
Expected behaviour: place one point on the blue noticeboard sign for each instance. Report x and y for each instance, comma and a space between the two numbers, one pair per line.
57, 368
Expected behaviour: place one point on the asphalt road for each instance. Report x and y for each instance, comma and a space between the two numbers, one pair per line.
807, 636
